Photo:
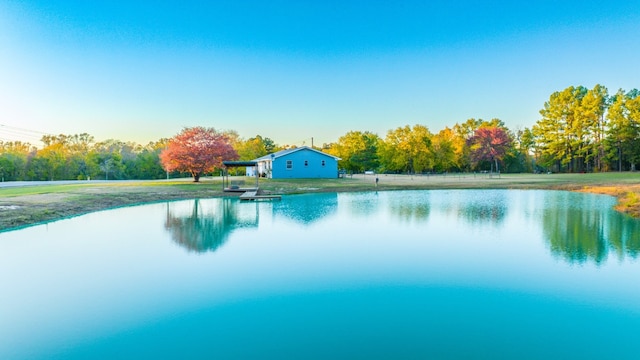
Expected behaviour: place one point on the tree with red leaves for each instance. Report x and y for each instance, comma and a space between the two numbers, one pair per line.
489, 143
197, 150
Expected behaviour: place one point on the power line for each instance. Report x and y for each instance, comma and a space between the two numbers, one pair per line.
4, 126
13, 133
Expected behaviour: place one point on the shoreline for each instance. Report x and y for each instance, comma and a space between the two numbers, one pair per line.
35, 204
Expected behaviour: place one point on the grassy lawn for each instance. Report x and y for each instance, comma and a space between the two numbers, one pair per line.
28, 205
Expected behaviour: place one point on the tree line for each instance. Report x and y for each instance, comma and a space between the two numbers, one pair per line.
78, 157
589, 130
471, 146
579, 130
81, 157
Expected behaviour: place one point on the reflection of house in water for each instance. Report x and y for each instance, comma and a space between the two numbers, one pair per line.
205, 225
307, 208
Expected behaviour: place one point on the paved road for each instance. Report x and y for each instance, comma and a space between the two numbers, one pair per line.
61, 182
7, 184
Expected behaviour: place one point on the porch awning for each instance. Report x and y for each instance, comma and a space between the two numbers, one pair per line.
239, 163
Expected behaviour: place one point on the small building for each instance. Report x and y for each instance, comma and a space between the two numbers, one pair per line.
297, 163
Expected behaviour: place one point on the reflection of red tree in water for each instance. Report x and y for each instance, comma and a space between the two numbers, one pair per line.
203, 231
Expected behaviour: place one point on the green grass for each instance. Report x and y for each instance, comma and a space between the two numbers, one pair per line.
38, 189
302, 185
56, 188
630, 203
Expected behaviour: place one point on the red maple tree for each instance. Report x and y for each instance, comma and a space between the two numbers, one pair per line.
489, 144
197, 150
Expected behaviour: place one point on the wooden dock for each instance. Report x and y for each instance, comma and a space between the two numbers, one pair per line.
237, 189
255, 195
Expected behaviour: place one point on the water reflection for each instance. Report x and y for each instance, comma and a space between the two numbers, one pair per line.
624, 236
576, 227
307, 208
579, 229
361, 254
574, 236
410, 206
486, 207
361, 204
206, 226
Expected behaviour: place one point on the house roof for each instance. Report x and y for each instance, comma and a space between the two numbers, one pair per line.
280, 153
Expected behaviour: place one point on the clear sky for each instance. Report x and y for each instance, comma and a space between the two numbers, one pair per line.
292, 70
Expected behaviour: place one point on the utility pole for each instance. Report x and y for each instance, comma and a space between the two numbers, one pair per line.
165, 148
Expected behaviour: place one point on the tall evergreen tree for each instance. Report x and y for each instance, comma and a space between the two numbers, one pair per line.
561, 133
623, 135
592, 113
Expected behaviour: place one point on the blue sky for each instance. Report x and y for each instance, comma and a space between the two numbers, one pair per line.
292, 70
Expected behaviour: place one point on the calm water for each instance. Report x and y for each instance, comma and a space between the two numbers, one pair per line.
411, 274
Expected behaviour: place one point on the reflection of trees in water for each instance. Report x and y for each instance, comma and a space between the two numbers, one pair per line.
206, 228
575, 234
307, 208
579, 230
361, 204
410, 206
484, 207
483, 213
624, 236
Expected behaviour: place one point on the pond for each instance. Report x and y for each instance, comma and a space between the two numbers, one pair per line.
403, 274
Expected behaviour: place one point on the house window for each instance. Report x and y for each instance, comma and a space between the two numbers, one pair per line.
323, 163
306, 163
289, 164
